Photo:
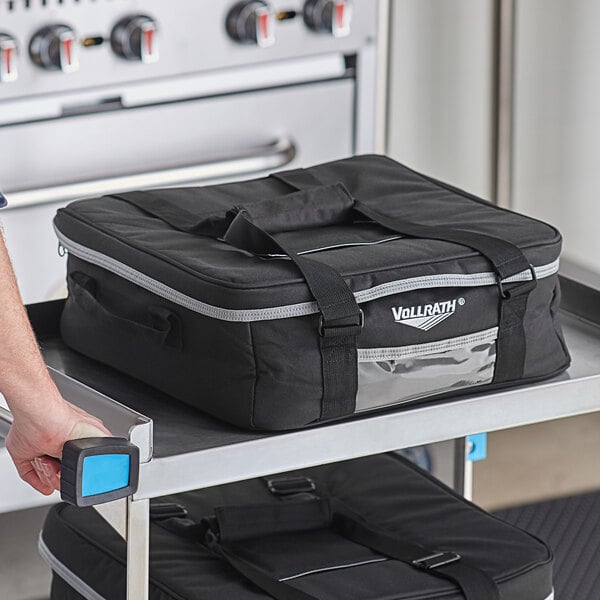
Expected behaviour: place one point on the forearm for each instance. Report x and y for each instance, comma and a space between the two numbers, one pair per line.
43, 420
24, 378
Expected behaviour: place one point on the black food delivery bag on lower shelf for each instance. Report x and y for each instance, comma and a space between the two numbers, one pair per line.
376, 528
312, 294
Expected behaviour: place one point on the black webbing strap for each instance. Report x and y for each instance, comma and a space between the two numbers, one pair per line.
474, 583
341, 319
506, 259
173, 214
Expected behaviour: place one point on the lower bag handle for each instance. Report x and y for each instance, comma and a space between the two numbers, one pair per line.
164, 327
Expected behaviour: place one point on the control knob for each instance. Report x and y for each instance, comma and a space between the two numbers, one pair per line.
328, 16
251, 22
54, 48
8, 58
134, 38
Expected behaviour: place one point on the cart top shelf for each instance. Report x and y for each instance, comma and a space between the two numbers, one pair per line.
193, 450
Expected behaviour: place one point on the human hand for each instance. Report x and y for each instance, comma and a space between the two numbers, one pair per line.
35, 441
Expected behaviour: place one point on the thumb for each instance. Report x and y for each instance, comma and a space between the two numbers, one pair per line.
82, 429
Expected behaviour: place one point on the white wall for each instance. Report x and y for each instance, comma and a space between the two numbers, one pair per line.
557, 120
441, 89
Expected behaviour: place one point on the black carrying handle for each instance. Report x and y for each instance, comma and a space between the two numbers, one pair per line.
303, 209
320, 206
164, 326
232, 526
314, 204
238, 523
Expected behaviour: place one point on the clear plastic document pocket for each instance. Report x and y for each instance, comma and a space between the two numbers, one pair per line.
388, 376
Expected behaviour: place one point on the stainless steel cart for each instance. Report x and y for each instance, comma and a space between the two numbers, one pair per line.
182, 449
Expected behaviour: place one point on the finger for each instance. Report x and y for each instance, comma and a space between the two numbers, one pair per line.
50, 469
28, 474
45, 472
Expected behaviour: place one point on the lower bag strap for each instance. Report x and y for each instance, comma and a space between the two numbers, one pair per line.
474, 583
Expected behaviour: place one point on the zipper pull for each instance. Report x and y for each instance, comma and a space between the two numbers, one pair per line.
62, 251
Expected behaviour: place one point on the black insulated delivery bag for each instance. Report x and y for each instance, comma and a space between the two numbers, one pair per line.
312, 294
376, 528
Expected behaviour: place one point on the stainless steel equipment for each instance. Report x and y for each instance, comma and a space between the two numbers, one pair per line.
99, 96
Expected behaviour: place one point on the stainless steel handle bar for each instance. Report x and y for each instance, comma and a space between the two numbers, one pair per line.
264, 158
6, 420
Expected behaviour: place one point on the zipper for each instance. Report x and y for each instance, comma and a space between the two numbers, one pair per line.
334, 568
290, 310
336, 247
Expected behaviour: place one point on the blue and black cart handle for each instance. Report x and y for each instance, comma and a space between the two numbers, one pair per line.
93, 470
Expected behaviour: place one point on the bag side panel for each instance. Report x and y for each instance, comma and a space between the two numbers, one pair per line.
546, 353
209, 364
289, 380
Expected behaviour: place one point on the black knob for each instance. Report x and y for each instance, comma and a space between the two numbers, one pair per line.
54, 48
134, 38
328, 16
251, 22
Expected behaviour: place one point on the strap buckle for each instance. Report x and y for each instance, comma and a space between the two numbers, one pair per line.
434, 561
339, 330
524, 288
286, 486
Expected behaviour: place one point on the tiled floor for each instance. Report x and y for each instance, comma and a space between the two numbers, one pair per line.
523, 465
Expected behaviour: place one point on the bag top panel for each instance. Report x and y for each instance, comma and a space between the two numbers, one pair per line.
150, 245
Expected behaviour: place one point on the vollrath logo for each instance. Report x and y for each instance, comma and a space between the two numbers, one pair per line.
426, 316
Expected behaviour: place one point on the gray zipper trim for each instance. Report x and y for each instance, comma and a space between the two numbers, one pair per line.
80, 586
290, 310
379, 354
